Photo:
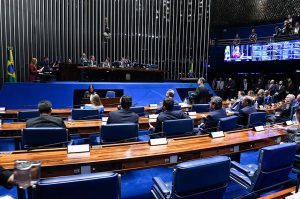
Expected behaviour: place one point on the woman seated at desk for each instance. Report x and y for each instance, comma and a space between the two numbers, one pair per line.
95, 104
89, 92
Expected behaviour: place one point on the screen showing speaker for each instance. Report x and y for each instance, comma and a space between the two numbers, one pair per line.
287, 50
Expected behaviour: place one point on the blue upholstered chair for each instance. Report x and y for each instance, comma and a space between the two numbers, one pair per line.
140, 110
256, 119
110, 94
111, 133
36, 137
94, 185
180, 127
84, 114
273, 168
25, 115
198, 179
293, 110
176, 108
200, 108
227, 123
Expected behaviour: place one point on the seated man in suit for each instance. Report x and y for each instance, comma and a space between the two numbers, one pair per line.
168, 114
244, 113
286, 109
6, 178
123, 115
238, 103
211, 121
267, 98
45, 119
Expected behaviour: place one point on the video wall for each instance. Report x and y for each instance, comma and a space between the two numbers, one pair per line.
287, 50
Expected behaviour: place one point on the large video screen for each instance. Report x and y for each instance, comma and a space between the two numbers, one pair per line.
287, 50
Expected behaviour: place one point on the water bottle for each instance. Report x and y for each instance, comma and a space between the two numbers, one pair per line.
256, 105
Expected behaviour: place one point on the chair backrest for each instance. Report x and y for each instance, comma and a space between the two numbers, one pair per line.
85, 114
119, 132
293, 110
257, 119
173, 128
104, 185
25, 115
140, 110
200, 108
275, 164
176, 108
35, 137
110, 94
227, 123
204, 178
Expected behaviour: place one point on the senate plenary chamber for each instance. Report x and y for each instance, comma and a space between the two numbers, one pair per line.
149, 99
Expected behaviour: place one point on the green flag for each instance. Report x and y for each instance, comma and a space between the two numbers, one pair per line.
11, 72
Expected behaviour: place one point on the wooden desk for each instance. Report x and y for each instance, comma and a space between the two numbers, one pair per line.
66, 112
13, 130
107, 102
140, 155
281, 194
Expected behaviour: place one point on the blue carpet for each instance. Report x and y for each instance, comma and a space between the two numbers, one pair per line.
137, 184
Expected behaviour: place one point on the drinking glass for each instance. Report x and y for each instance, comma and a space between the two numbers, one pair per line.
22, 173
35, 172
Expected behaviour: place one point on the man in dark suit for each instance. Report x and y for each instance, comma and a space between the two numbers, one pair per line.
201, 95
272, 87
6, 178
281, 92
230, 88
45, 119
244, 113
168, 114
123, 115
211, 121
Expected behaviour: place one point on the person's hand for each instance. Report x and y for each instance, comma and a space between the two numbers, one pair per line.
11, 179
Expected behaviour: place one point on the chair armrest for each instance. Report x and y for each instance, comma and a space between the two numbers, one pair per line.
240, 168
161, 185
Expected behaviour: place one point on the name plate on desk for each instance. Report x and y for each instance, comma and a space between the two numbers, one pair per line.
78, 148
217, 134
158, 141
153, 116
192, 113
288, 123
153, 105
259, 128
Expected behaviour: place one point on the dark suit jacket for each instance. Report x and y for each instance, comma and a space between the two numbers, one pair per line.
122, 116
260, 100
168, 115
212, 120
267, 100
281, 93
201, 95
272, 89
244, 114
4, 175
45, 121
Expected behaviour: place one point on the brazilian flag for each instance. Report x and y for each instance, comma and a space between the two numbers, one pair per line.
11, 71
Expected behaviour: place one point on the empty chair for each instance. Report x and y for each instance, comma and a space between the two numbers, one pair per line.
140, 110
180, 127
227, 123
44, 137
119, 133
273, 168
198, 179
256, 119
176, 108
110, 94
85, 114
23, 116
101, 185
200, 108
